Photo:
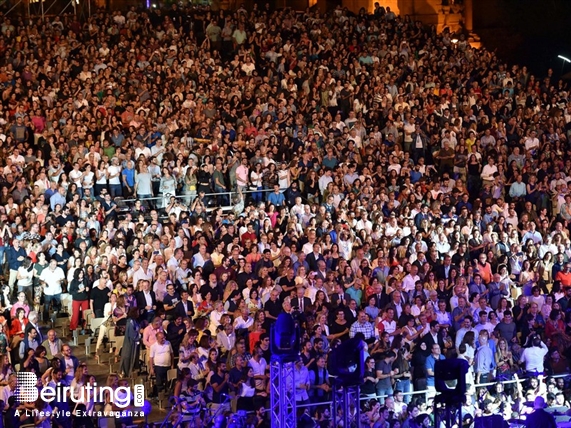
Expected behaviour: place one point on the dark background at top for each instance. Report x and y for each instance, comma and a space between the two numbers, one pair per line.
526, 32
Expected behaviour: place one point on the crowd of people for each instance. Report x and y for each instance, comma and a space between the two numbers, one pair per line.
187, 175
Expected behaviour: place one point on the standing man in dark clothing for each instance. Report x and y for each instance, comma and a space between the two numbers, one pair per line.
15, 256
539, 417
175, 333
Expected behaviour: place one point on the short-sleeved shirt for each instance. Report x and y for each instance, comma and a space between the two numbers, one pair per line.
161, 354
385, 368
216, 379
430, 363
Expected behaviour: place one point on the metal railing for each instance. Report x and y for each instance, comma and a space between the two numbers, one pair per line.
231, 194
480, 385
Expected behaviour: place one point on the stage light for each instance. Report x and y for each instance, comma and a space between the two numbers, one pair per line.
347, 362
285, 336
564, 58
450, 377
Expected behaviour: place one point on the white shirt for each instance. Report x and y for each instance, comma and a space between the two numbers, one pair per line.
241, 323
88, 180
26, 275
148, 298
53, 280
390, 327
531, 143
161, 354
112, 170
141, 274
488, 326
533, 358
259, 368
488, 172
226, 341
215, 317
75, 177
7, 393
409, 281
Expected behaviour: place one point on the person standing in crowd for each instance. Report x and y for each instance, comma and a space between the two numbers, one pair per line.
161, 359
435, 355
80, 297
15, 256
52, 278
539, 417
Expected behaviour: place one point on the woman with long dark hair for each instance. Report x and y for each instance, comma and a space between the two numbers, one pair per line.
79, 291
404, 375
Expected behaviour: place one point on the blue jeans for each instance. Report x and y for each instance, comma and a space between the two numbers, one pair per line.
115, 190
146, 197
405, 386
257, 196
223, 199
384, 391
56, 298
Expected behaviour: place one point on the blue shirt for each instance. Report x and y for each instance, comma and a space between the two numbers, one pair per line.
429, 365
276, 199
485, 361
415, 176
355, 294
12, 254
56, 199
49, 193
117, 139
129, 175
517, 190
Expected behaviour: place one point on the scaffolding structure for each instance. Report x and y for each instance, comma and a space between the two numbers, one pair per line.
82, 7
282, 392
346, 399
447, 411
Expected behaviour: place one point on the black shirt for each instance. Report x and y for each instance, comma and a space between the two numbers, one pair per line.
215, 292
242, 278
169, 300
273, 308
217, 397
540, 418
335, 328
99, 297
284, 281
75, 292
369, 387
175, 334
234, 376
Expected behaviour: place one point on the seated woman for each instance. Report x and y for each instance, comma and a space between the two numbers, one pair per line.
248, 396
17, 329
120, 316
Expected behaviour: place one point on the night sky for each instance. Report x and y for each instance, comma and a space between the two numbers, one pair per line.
527, 32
